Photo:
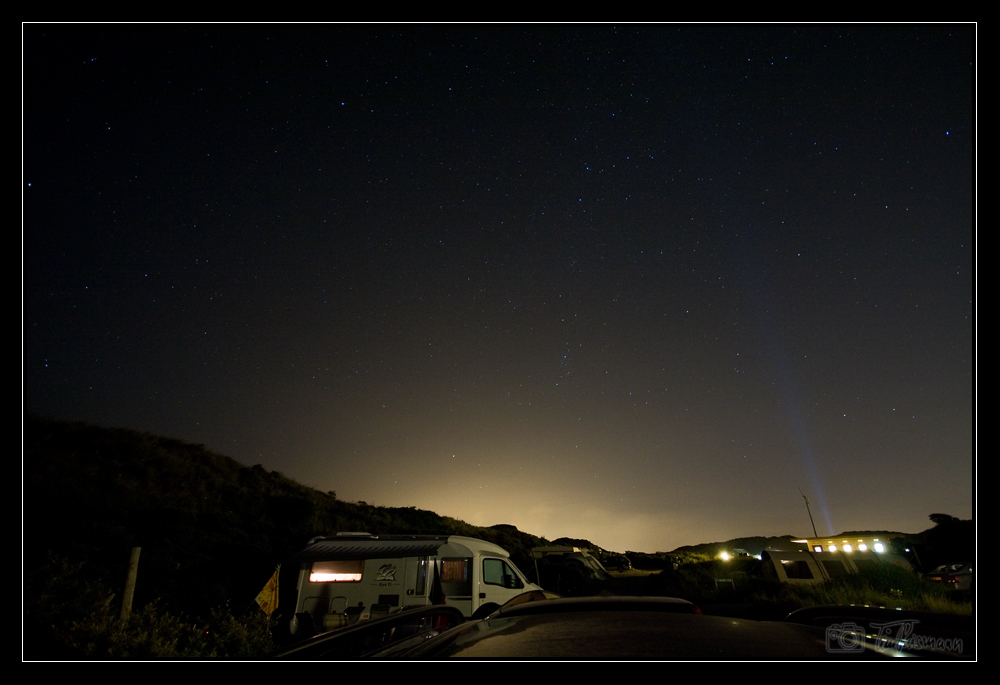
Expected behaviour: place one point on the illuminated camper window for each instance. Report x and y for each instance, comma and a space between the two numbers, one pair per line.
456, 577
336, 571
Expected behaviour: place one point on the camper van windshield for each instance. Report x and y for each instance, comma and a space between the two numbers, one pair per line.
344, 571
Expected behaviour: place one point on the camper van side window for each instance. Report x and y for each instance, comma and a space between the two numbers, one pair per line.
835, 568
344, 571
456, 579
796, 569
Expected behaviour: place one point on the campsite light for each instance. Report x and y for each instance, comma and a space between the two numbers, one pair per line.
862, 547
848, 548
879, 547
833, 548
724, 556
817, 548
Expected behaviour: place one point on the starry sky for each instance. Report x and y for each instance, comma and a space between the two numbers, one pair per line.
635, 284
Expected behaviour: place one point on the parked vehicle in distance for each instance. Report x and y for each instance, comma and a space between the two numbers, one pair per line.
617, 562
957, 576
355, 577
568, 570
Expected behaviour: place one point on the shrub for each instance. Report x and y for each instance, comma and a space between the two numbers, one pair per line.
69, 614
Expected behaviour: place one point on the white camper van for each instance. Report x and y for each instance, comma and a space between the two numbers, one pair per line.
805, 567
352, 577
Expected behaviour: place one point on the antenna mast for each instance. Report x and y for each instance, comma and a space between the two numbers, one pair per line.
815, 534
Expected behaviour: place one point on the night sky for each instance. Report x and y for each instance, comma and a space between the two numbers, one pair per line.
636, 284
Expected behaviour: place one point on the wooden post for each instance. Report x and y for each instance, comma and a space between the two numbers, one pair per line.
133, 569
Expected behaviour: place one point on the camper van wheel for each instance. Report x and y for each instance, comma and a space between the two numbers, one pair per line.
485, 610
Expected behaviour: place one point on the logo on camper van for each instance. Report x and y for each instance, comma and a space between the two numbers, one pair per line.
386, 572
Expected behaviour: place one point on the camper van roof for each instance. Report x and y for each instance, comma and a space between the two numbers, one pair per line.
386, 547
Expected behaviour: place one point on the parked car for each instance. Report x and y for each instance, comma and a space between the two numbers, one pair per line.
568, 571
618, 562
400, 631
618, 628
956, 576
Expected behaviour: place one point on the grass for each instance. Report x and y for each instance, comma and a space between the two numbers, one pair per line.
883, 586
71, 614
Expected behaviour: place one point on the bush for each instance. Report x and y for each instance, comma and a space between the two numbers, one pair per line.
884, 585
248, 636
150, 632
155, 632
69, 614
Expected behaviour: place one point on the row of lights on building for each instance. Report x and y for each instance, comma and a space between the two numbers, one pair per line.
848, 547
830, 547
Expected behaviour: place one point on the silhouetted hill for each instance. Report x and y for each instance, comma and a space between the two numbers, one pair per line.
579, 542
950, 540
211, 529
753, 545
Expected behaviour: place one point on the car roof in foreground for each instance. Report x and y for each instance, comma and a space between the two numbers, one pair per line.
630, 628
564, 605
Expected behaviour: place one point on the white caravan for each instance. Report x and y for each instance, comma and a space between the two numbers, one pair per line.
353, 577
805, 567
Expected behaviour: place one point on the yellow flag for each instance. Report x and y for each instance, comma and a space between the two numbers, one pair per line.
268, 597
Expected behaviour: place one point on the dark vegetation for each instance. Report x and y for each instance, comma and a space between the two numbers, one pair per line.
212, 531
754, 546
71, 614
739, 588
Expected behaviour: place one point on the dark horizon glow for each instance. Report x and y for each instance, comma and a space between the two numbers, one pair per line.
635, 284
